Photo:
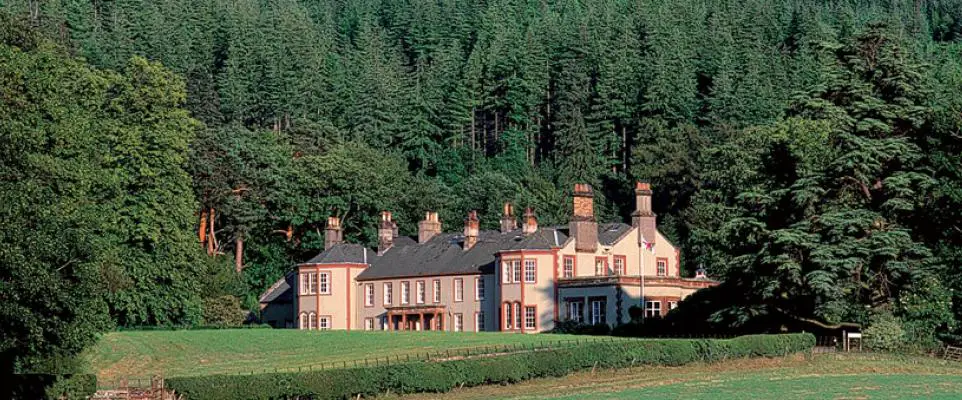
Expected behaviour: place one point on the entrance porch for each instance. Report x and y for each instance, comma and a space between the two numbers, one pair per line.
415, 318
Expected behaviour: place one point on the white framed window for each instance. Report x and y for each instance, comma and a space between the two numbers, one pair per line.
325, 282
459, 322
305, 322
530, 271
575, 311
458, 289
421, 292
437, 291
478, 289
405, 292
530, 317
672, 305
506, 272
324, 323
369, 295
309, 283
507, 316
479, 321
517, 315
312, 318
598, 311
662, 266
601, 266
369, 324
388, 294
653, 309
569, 267
516, 268
619, 265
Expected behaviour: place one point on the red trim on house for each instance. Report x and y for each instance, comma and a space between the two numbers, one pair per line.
554, 282
513, 252
624, 265
605, 259
338, 265
318, 309
677, 262
650, 281
522, 290
394, 278
347, 283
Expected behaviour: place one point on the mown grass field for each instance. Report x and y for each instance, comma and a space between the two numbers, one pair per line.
202, 352
844, 376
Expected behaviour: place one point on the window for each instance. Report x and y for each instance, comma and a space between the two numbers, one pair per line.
458, 289
601, 266
478, 289
369, 295
662, 264
507, 316
421, 292
619, 265
325, 286
517, 315
516, 267
388, 294
458, 322
598, 308
437, 291
324, 323
506, 275
405, 292
530, 320
312, 321
569, 267
672, 305
653, 309
309, 283
369, 324
305, 322
530, 270
479, 321
574, 311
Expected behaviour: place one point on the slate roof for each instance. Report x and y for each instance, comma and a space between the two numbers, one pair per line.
344, 253
281, 291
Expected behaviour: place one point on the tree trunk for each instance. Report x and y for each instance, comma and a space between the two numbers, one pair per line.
239, 253
202, 230
212, 237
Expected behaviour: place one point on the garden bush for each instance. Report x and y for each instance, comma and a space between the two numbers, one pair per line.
50, 386
441, 376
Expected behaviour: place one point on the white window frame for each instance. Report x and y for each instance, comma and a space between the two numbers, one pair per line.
653, 309
506, 272
518, 318
479, 321
458, 289
622, 270
304, 322
602, 264
478, 289
661, 266
530, 271
458, 322
312, 320
369, 294
597, 311
530, 321
388, 293
437, 290
568, 267
576, 316
421, 292
507, 315
309, 283
324, 283
406, 292
516, 271
324, 323
369, 324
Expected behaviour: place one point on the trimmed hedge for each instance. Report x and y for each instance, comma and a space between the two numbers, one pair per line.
441, 376
52, 386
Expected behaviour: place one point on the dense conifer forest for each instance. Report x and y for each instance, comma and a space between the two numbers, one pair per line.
805, 152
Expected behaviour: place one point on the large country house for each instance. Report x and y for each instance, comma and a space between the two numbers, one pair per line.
512, 280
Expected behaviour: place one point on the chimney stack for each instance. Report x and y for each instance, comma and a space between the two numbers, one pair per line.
385, 232
530, 224
471, 229
428, 228
332, 232
508, 223
643, 218
583, 226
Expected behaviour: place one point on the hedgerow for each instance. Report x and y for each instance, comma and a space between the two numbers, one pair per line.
441, 376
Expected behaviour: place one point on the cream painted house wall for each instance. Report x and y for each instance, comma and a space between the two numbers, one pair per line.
468, 307
539, 294
338, 304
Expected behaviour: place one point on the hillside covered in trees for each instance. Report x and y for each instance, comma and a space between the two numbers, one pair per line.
807, 152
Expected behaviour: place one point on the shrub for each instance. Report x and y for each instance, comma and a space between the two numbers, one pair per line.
223, 310
51, 386
441, 376
884, 333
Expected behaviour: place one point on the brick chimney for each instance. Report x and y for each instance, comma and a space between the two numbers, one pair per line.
583, 226
643, 218
530, 222
429, 227
385, 232
471, 229
508, 223
333, 233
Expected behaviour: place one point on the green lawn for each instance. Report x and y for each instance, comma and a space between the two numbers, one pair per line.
202, 352
868, 377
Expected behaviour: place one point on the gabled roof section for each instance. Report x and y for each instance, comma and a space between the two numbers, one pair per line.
344, 253
281, 291
542, 239
609, 234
